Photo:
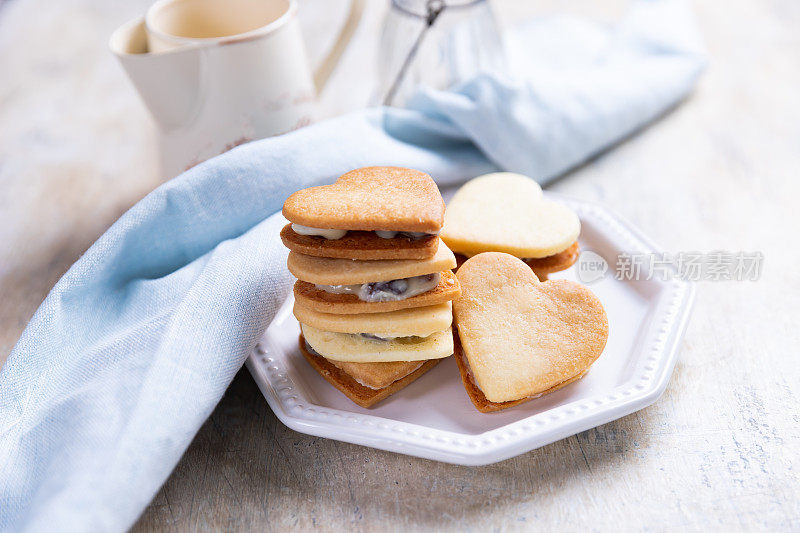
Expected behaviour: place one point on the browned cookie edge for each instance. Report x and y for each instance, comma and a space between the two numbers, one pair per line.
542, 266
357, 393
477, 397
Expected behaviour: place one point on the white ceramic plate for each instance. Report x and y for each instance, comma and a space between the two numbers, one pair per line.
434, 418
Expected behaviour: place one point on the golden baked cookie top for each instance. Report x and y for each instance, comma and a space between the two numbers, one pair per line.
371, 199
521, 336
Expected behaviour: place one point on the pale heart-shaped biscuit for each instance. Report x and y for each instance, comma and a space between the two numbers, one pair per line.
369, 199
418, 321
522, 337
505, 212
357, 349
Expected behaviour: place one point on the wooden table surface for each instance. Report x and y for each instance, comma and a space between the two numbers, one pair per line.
718, 451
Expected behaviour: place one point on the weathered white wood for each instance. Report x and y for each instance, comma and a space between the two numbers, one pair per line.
718, 450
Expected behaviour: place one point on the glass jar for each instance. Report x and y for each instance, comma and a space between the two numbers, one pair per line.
437, 44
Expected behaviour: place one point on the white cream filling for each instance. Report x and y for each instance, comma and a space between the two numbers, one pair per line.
340, 289
334, 234
330, 234
387, 291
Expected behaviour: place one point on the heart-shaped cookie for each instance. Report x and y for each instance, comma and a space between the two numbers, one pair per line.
370, 199
505, 212
521, 337
364, 387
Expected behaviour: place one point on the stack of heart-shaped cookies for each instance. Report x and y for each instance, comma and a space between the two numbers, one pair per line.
374, 281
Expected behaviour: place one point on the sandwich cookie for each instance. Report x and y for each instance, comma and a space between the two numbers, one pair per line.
328, 271
369, 213
505, 212
379, 297
366, 383
345, 286
476, 395
519, 338
374, 281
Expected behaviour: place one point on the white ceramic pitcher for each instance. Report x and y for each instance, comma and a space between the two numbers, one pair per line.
217, 73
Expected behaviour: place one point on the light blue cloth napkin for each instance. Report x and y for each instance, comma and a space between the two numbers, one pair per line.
135, 345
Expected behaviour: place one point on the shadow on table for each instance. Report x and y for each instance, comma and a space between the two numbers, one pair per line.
245, 470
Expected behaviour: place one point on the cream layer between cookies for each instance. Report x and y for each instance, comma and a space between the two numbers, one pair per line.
387, 291
335, 234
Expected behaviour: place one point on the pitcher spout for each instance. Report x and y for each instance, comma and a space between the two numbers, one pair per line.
168, 83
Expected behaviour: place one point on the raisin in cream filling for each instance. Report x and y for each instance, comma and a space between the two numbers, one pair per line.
387, 291
334, 234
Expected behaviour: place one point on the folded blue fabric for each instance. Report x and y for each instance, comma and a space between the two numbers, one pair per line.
135, 345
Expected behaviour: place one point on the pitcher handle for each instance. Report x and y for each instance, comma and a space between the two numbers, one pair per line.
325, 68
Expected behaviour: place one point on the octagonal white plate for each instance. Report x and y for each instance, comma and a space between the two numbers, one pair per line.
434, 418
